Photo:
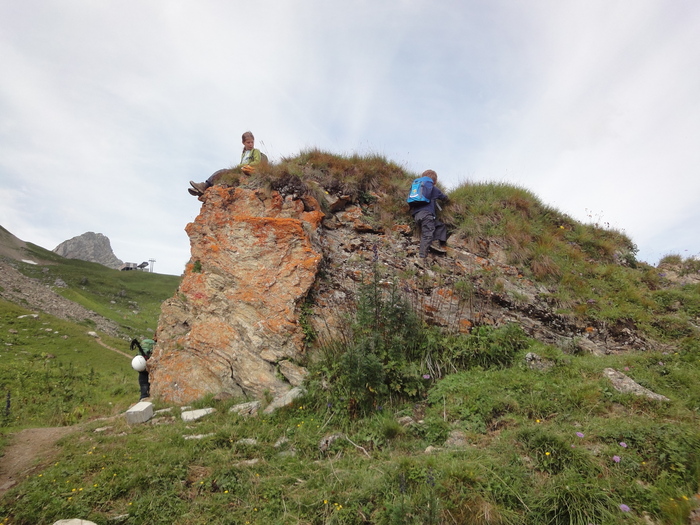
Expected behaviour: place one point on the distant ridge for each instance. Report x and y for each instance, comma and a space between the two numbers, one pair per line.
91, 247
11, 246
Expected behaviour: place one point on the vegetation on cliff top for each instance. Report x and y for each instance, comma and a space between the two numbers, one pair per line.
590, 271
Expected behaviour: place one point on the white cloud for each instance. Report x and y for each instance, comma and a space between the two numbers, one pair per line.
109, 108
617, 109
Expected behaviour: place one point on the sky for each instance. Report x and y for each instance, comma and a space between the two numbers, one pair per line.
108, 109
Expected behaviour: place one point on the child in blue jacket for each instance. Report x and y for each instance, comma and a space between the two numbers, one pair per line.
431, 229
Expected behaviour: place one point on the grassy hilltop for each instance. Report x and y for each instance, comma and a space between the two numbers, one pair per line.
380, 437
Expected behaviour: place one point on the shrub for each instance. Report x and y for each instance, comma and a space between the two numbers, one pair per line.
380, 357
485, 347
388, 354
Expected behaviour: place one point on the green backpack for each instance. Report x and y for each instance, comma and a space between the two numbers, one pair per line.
147, 345
145, 348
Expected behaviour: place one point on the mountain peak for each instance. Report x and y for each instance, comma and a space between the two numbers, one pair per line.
91, 247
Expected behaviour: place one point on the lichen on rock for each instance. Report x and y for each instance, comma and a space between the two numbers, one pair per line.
235, 316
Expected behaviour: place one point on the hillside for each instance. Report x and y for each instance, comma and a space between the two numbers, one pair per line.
49, 307
10, 246
121, 304
489, 387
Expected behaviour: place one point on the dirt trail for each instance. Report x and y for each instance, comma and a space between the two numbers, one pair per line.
27, 451
101, 343
31, 447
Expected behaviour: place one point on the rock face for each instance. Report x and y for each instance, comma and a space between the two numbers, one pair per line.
92, 247
233, 326
267, 268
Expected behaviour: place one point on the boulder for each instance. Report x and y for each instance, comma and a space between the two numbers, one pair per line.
626, 385
456, 439
233, 324
246, 409
284, 400
240, 323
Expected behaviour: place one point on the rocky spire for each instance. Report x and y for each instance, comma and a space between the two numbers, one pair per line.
92, 247
233, 326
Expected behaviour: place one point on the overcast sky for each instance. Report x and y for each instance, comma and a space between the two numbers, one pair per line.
109, 108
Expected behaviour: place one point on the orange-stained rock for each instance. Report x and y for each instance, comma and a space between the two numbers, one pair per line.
234, 318
465, 326
359, 220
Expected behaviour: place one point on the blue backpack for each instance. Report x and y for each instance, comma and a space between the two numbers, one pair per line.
421, 189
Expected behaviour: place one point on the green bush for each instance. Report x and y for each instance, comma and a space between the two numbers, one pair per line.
381, 359
391, 355
485, 347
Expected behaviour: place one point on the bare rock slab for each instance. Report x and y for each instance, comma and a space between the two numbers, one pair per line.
139, 413
246, 409
194, 415
233, 325
284, 400
457, 439
626, 385
198, 436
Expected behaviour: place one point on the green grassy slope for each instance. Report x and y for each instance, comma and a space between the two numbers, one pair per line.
54, 372
532, 447
131, 299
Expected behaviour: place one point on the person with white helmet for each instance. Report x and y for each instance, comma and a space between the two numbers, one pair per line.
145, 349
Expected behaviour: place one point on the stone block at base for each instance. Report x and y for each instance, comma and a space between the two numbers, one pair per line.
139, 413
246, 409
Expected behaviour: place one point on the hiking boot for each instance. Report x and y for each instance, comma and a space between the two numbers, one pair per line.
201, 187
420, 262
438, 248
194, 192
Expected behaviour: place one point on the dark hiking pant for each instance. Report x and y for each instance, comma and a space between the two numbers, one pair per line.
431, 230
144, 384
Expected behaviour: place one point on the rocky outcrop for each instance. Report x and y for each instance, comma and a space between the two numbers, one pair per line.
267, 269
680, 273
233, 325
91, 247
